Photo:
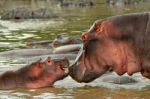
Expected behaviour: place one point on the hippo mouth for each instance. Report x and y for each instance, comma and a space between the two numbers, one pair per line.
65, 68
86, 65
64, 65
76, 63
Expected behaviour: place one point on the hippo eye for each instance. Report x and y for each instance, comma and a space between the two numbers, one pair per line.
48, 61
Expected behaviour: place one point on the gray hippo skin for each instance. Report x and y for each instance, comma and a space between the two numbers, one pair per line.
60, 40
120, 43
62, 44
25, 53
69, 51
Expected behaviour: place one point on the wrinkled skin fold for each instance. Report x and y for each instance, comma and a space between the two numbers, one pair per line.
36, 75
120, 43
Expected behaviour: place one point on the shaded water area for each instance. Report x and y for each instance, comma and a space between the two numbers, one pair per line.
71, 21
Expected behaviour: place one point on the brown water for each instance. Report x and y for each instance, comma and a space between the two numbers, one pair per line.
71, 21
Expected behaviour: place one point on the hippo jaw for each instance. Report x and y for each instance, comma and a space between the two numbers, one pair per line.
84, 72
61, 69
85, 68
82, 75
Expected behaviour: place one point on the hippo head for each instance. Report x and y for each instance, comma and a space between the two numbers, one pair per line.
62, 40
104, 49
42, 74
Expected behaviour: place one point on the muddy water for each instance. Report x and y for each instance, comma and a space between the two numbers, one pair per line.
72, 21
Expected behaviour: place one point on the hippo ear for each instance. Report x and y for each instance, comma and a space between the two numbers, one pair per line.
39, 63
95, 26
48, 57
59, 36
40, 60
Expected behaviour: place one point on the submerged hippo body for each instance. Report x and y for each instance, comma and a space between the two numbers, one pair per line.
72, 48
25, 53
60, 40
37, 75
120, 43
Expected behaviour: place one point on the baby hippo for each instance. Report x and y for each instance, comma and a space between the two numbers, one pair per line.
36, 75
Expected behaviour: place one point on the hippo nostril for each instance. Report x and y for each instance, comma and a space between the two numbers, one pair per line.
84, 37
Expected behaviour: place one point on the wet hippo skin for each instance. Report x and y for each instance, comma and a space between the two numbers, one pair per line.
36, 75
60, 40
120, 43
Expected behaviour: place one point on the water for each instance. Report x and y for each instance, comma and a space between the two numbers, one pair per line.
71, 21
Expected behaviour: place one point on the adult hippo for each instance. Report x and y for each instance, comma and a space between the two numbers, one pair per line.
36, 75
120, 43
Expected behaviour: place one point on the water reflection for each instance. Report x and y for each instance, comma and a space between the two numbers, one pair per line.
13, 36
82, 92
28, 24
100, 82
73, 21
122, 6
11, 4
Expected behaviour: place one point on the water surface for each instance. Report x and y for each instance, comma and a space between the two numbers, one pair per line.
72, 21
